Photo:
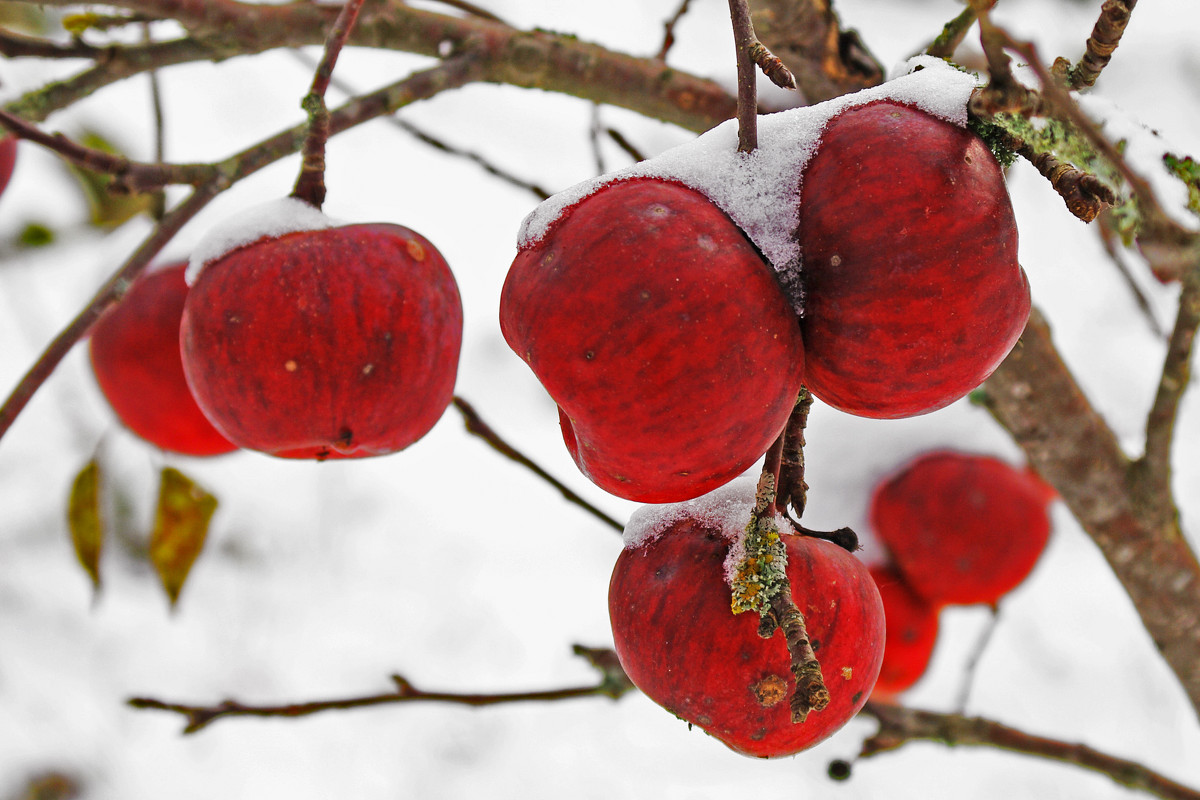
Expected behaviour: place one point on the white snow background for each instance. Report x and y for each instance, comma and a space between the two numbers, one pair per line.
450, 565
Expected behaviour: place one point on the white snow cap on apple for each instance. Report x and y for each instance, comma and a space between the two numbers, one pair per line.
759, 191
726, 509
267, 221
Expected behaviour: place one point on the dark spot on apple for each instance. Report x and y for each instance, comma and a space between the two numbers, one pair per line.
816, 644
704, 719
857, 696
589, 355
345, 437
759, 735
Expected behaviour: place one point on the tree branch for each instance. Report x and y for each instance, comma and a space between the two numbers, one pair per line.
1134, 521
477, 427
899, 726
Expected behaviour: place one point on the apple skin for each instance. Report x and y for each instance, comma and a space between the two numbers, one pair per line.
662, 335
962, 528
8, 159
912, 290
134, 350
333, 343
912, 629
682, 646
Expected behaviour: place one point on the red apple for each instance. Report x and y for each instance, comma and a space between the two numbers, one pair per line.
662, 335
681, 644
912, 629
341, 342
134, 351
962, 528
912, 290
8, 158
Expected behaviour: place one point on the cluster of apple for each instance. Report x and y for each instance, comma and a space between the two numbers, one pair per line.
960, 529
323, 342
674, 353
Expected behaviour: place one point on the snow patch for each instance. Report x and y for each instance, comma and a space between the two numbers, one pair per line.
726, 509
267, 221
760, 190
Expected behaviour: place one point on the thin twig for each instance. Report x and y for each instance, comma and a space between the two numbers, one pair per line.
471, 9
159, 206
747, 103
594, 130
1176, 376
620, 141
1085, 194
669, 30
1109, 239
1103, 41
310, 185
477, 427
899, 725
793, 490
975, 656
952, 35
200, 717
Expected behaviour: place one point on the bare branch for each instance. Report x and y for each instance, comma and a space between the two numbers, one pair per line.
899, 725
1106, 35
477, 427
669, 30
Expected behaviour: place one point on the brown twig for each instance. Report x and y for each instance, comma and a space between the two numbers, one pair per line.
1085, 194
1155, 462
471, 9
200, 717
669, 30
899, 726
772, 66
620, 141
477, 427
793, 490
128, 176
1110, 240
747, 102
952, 35
310, 185
810, 693
1103, 41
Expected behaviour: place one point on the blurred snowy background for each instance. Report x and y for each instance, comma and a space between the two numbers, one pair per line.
450, 565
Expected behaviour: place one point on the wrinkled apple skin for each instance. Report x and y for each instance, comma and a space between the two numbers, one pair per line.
912, 629
662, 335
134, 350
680, 643
912, 290
339, 343
8, 159
962, 528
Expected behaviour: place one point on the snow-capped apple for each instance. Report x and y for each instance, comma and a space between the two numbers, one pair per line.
912, 629
962, 528
302, 338
681, 644
134, 351
662, 335
912, 290
8, 159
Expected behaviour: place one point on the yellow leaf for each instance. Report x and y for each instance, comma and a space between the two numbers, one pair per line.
84, 521
180, 528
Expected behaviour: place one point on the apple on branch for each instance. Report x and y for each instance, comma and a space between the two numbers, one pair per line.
303, 338
679, 641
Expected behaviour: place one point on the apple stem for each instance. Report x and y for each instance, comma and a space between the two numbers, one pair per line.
310, 185
793, 490
747, 99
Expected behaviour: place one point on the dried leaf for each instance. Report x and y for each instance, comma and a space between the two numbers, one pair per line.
180, 528
107, 210
84, 521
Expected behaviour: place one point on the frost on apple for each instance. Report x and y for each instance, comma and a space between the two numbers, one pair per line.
759, 191
267, 221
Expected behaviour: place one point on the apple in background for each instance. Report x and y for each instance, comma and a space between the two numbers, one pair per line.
912, 290
962, 528
341, 342
8, 158
134, 351
662, 335
680, 643
912, 629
